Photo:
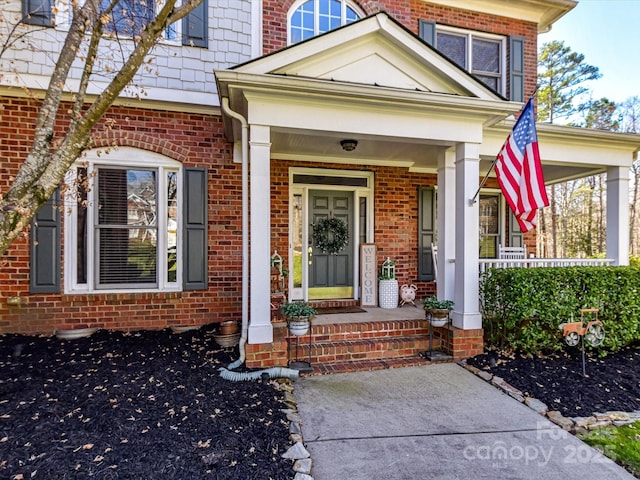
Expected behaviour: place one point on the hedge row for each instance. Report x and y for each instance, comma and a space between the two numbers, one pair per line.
522, 308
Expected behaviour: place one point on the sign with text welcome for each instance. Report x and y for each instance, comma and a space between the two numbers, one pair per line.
368, 275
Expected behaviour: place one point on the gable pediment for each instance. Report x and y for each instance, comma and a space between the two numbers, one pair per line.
375, 51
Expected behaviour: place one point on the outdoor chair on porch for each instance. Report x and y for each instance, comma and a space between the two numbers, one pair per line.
512, 253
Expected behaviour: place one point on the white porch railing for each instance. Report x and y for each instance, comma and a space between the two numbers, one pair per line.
487, 263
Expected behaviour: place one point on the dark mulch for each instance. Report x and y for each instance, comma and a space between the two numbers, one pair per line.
612, 383
140, 405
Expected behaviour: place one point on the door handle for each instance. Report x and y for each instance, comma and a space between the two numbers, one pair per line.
310, 255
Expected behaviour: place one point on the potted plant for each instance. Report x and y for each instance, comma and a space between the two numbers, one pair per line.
388, 285
437, 311
298, 315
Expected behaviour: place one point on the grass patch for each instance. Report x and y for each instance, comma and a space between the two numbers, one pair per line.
621, 444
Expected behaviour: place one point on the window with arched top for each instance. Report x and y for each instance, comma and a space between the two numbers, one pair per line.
308, 18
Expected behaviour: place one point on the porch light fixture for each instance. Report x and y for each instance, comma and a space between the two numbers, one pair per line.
349, 145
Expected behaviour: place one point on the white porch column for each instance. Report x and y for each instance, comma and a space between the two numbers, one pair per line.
446, 225
466, 312
618, 214
260, 329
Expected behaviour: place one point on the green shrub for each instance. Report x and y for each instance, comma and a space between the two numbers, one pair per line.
523, 307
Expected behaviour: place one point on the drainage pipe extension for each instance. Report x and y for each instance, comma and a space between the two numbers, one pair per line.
274, 372
245, 230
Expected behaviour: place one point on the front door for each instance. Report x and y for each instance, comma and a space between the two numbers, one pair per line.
330, 275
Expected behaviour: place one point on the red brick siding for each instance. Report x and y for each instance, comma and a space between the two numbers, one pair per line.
193, 139
396, 215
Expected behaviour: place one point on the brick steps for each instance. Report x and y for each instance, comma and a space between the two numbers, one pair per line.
363, 345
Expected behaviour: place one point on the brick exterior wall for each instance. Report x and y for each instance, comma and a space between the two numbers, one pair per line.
198, 140
193, 139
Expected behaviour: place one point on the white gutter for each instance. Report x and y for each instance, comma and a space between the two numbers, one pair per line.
245, 230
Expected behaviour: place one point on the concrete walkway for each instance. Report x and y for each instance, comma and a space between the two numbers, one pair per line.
434, 422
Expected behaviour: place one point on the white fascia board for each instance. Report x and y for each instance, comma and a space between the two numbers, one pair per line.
153, 98
562, 145
235, 85
544, 13
363, 118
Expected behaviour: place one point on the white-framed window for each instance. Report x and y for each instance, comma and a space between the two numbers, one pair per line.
482, 55
122, 223
308, 18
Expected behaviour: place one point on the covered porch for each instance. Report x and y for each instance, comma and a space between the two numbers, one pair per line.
408, 114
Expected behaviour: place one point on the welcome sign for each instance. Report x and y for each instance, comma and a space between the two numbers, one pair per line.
368, 275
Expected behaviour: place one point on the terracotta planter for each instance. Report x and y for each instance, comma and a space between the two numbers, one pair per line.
227, 341
229, 327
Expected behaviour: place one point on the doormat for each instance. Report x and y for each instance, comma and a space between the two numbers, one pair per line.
332, 310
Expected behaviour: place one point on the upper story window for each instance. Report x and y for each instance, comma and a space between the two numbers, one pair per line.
482, 55
308, 18
127, 19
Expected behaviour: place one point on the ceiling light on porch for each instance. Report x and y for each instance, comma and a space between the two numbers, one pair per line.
349, 145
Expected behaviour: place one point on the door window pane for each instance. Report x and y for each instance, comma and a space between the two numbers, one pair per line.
297, 241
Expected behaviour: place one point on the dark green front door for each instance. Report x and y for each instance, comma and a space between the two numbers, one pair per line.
330, 275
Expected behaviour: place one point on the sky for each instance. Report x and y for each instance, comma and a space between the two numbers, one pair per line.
607, 33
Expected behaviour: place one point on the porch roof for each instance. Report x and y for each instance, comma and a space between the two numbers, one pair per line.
376, 82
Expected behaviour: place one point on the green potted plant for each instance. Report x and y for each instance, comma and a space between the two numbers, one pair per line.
298, 315
437, 311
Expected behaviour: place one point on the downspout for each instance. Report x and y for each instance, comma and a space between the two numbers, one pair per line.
245, 230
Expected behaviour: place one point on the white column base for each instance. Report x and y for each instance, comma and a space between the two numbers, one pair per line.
260, 333
466, 320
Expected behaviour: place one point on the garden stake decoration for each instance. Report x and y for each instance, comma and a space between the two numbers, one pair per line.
592, 333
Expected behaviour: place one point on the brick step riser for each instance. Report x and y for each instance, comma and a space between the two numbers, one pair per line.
349, 331
378, 348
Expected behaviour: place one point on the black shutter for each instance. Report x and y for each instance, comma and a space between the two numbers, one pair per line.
37, 12
516, 69
194, 258
195, 25
428, 32
426, 232
516, 239
44, 259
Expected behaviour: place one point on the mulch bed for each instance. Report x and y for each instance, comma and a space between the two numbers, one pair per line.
139, 405
611, 384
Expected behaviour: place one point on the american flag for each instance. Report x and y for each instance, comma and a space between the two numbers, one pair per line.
519, 170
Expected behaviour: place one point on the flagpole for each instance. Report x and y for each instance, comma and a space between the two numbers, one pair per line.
495, 160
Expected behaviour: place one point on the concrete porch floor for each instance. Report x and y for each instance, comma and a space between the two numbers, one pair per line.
370, 314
